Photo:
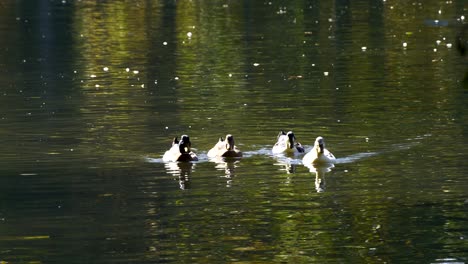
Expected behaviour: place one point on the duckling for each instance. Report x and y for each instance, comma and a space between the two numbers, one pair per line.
225, 148
319, 154
180, 150
287, 143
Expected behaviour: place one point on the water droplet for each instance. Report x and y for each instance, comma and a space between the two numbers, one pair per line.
105, 69
405, 44
256, 64
364, 48
449, 45
325, 73
165, 43
135, 72
189, 34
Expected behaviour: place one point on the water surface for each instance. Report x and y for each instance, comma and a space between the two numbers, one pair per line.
92, 93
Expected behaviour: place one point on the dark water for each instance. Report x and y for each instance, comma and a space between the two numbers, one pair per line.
91, 94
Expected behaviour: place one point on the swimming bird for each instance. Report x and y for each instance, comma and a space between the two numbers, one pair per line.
287, 143
180, 150
319, 154
225, 148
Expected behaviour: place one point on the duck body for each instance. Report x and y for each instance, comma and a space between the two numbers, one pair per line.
225, 148
180, 151
286, 143
319, 154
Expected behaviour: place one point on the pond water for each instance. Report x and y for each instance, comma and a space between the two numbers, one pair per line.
92, 93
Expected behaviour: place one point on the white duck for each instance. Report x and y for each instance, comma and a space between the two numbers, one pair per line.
225, 148
180, 150
319, 154
287, 143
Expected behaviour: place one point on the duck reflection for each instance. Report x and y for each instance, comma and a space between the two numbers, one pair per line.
228, 165
287, 163
181, 171
462, 47
320, 170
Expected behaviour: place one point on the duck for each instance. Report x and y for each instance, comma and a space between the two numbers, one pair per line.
225, 148
319, 154
287, 143
180, 150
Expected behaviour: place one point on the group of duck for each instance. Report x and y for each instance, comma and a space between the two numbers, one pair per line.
225, 148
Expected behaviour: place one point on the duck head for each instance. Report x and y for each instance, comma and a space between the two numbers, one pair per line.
184, 144
319, 144
229, 142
